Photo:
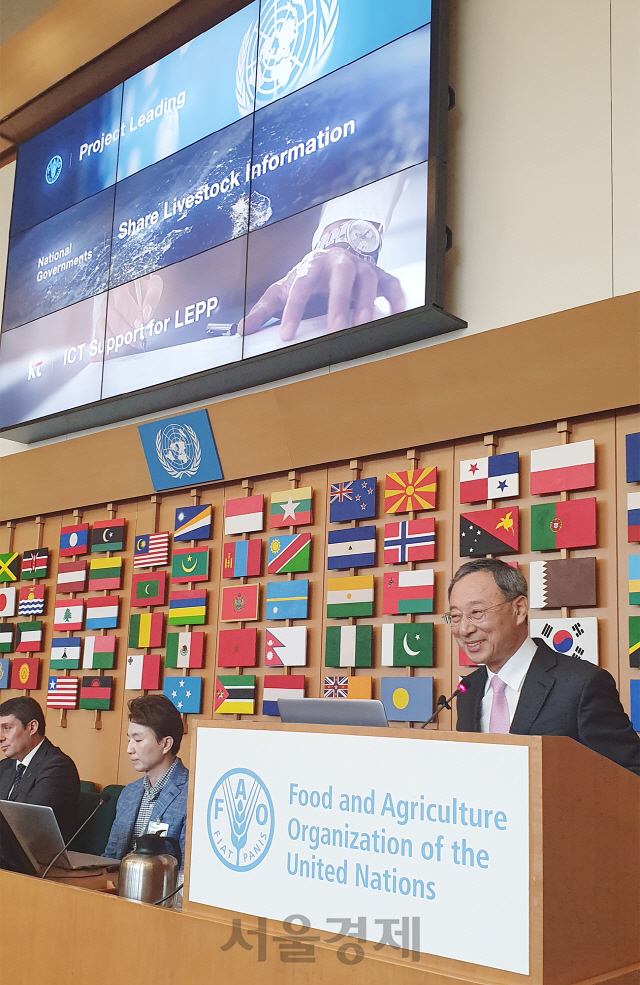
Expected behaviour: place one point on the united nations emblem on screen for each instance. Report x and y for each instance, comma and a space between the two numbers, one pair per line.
54, 169
295, 39
240, 820
178, 450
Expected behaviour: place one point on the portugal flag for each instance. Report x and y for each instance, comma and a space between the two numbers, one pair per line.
563, 525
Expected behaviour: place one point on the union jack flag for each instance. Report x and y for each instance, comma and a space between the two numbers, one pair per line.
336, 687
341, 491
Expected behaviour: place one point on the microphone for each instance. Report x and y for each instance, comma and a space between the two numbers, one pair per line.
443, 702
104, 799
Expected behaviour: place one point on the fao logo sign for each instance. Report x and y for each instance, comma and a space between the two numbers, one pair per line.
240, 820
53, 170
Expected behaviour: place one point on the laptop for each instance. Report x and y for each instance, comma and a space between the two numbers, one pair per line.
36, 830
332, 711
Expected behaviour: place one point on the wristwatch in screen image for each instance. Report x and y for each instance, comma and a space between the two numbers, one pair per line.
359, 236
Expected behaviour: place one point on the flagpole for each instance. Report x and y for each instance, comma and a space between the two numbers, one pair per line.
564, 430
413, 459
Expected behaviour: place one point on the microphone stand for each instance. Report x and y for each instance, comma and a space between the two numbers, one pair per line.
443, 703
103, 800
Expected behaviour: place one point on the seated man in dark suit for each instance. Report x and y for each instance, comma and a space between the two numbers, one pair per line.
523, 686
157, 803
35, 771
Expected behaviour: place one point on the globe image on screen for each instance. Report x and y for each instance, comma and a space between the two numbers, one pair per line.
178, 450
296, 37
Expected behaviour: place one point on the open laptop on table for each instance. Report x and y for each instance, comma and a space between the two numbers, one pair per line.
332, 711
36, 830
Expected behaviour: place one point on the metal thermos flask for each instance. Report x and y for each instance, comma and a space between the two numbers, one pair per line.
150, 873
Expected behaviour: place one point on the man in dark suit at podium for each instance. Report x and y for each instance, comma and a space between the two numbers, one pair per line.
34, 770
522, 686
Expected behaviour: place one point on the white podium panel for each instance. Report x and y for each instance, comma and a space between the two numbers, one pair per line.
424, 841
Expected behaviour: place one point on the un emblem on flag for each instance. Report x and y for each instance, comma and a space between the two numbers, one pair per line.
295, 40
178, 450
240, 820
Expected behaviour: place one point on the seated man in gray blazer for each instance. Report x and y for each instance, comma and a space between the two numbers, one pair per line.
522, 686
157, 803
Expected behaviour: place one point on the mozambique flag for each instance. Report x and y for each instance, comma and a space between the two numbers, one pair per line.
145, 629
291, 507
188, 608
96, 693
9, 567
405, 492
147, 589
105, 572
634, 641
108, 535
35, 564
235, 695
190, 564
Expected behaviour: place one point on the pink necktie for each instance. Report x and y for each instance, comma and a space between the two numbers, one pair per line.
499, 719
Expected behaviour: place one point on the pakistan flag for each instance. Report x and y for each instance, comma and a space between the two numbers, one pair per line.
407, 644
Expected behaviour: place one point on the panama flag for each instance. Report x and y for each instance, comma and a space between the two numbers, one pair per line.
69, 615
633, 457
193, 523
7, 602
560, 525
407, 591
407, 699
289, 553
493, 477
29, 637
409, 540
66, 653
31, 601
287, 599
347, 687
240, 603
291, 686
634, 579
72, 577
285, 647
634, 641
348, 646
633, 516
25, 674
237, 647
291, 507
99, 652
74, 540
102, 612
353, 547
407, 644
243, 516
348, 597
573, 637
185, 650
242, 558
561, 468
143, 672
62, 692
352, 500
235, 695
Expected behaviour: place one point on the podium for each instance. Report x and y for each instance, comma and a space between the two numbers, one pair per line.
567, 869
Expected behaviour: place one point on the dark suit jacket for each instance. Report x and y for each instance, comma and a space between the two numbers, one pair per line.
562, 696
170, 808
51, 780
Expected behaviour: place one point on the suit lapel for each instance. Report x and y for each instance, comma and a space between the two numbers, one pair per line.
167, 795
31, 772
536, 688
470, 706
6, 782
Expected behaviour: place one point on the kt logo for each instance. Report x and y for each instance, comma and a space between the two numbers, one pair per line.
35, 370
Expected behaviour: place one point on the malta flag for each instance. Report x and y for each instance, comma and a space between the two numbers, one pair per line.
563, 467
291, 686
143, 672
407, 591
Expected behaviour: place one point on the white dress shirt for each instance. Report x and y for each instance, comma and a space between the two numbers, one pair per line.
513, 674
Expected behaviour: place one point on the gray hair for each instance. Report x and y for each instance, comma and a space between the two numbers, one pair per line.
510, 581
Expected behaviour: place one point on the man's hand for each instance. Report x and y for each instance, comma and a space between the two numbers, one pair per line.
349, 282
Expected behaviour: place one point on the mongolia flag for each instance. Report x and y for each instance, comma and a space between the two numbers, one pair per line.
493, 477
102, 612
185, 693
69, 615
633, 516
74, 540
237, 647
143, 672
291, 686
188, 608
409, 540
634, 579
185, 650
242, 558
289, 553
291, 507
348, 646
240, 603
66, 653
145, 629
193, 523
285, 647
235, 695
243, 516
96, 693
99, 652
561, 468
407, 591
25, 673
412, 490
407, 644
287, 599
353, 547
348, 597
407, 699
563, 525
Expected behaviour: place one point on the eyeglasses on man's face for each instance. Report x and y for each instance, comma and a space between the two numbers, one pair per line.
477, 615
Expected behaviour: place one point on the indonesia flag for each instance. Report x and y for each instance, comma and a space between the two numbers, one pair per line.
563, 467
243, 515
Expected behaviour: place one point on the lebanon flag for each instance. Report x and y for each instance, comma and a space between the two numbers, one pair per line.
237, 647
407, 591
563, 467
243, 515
291, 686
69, 615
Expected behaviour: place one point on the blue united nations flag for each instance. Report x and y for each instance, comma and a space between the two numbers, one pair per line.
180, 451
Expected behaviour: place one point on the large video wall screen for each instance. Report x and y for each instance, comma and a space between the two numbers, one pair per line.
261, 186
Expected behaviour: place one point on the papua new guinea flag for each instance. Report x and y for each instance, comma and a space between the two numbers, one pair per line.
489, 532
